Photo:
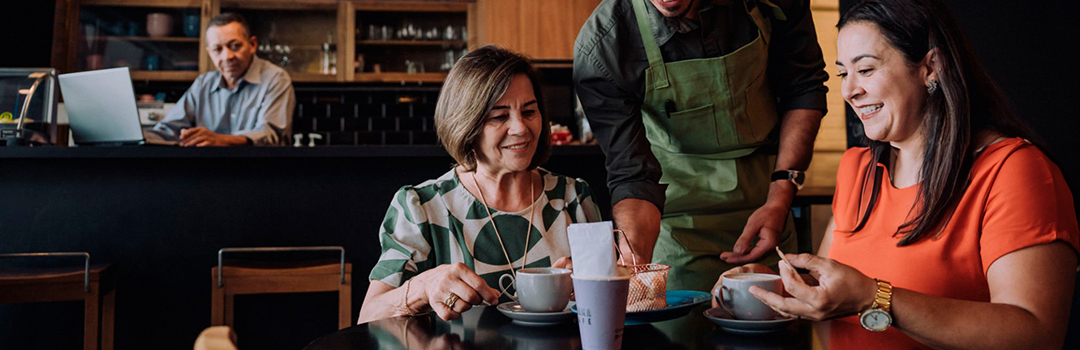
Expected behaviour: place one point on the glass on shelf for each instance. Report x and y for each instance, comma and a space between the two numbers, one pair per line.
449, 61
417, 41
299, 52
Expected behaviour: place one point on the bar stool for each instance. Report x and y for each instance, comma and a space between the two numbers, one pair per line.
95, 284
238, 278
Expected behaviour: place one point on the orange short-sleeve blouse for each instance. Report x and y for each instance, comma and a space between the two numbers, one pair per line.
1017, 198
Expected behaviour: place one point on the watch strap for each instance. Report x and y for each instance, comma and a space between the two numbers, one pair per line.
796, 177
883, 296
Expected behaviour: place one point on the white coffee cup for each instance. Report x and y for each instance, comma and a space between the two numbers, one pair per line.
540, 289
734, 295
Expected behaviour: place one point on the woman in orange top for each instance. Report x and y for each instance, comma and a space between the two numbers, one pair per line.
950, 228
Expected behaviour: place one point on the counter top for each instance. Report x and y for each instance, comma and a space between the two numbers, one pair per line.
254, 152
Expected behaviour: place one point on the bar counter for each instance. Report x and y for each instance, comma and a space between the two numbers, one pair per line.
256, 152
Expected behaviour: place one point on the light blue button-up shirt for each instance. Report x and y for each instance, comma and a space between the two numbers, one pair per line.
259, 108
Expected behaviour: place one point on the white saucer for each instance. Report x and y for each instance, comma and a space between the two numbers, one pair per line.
528, 318
730, 324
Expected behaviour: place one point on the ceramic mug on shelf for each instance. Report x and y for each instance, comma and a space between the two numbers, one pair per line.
95, 61
191, 25
153, 62
159, 24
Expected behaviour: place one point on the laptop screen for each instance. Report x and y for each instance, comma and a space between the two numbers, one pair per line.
101, 107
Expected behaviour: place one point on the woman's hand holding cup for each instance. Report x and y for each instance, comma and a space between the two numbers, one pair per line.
748, 268
840, 290
453, 288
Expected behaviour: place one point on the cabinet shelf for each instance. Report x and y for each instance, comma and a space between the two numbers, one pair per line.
144, 3
167, 39
311, 77
440, 43
400, 77
164, 75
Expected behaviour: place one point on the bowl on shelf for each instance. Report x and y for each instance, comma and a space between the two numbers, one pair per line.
159, 24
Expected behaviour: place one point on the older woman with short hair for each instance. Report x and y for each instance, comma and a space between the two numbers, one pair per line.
446, 241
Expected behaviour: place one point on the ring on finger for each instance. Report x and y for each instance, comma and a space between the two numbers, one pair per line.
451, 300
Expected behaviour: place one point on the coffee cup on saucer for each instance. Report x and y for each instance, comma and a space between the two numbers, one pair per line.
540, 289
734, 296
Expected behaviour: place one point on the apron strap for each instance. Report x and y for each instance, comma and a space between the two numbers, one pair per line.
763, 25
652, 50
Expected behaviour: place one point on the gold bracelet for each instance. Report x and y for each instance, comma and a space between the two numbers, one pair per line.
405, 299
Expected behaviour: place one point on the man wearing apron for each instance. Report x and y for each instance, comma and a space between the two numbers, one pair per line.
707, 112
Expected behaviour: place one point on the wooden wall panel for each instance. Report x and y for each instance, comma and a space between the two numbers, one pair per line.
833, 134
498, 23
542, 29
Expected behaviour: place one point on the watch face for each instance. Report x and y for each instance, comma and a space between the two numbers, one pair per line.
799, 178
875, 320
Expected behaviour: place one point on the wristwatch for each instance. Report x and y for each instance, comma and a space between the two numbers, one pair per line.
877, 318
796, 177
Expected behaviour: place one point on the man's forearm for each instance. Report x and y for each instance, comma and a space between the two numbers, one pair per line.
640, 220
236, 140
798, 129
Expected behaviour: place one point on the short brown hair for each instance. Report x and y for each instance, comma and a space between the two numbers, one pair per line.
229, 17
477, 81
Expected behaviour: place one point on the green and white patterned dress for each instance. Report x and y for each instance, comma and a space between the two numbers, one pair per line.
439, 222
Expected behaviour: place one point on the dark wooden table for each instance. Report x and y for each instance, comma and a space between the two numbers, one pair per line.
486, 328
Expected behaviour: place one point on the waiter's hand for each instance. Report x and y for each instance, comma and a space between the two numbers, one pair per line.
766, 224
201, 137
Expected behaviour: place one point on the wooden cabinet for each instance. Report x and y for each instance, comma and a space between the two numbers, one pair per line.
543, 29
407, 41
302, 36
366, 40
156, 39
315, 40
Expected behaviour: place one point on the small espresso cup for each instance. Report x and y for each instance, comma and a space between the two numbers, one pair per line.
734, 295
540, 289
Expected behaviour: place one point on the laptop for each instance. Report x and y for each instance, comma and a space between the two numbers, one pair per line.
101, 109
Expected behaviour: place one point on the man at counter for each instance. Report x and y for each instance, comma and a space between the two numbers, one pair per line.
246, 101
707, 112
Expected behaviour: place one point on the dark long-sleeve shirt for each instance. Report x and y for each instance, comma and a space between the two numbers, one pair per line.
610, 63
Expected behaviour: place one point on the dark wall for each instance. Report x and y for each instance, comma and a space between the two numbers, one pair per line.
26, 27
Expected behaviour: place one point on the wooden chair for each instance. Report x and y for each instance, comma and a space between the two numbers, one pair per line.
94, 284
238, 278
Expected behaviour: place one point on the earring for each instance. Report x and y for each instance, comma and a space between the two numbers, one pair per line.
932, 88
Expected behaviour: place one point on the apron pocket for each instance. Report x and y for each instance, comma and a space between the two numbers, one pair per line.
696, 130
696, 183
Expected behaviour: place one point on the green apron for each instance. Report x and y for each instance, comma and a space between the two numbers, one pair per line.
705, 118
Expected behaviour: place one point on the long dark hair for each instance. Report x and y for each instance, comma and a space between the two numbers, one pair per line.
966, 103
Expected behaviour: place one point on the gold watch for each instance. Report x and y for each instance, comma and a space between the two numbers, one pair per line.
878, 317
